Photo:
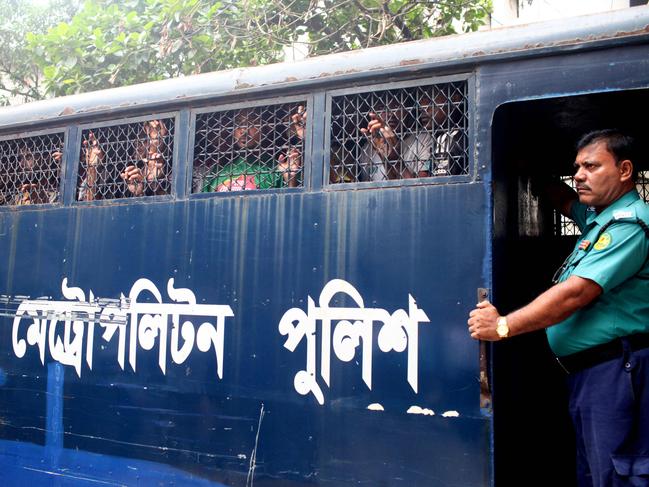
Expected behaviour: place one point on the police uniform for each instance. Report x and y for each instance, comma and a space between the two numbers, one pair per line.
605, 345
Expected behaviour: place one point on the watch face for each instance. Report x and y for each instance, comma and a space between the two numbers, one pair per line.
502, 330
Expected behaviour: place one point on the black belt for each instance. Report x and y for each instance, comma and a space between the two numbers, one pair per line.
602, 353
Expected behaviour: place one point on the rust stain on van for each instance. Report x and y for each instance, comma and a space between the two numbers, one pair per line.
67, 111
408, 62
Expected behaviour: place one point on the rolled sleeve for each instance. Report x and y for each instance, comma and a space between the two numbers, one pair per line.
619, 255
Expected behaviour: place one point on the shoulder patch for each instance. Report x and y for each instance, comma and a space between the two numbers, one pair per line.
624, 214
603, 241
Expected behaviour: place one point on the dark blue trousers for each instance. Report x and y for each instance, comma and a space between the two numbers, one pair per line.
609, 406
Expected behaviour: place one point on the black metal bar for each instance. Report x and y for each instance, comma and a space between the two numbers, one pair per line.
485, 388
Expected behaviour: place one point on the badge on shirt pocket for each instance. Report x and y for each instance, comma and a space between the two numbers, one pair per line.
603, 241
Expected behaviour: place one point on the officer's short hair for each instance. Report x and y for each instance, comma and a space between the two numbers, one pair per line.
622, 146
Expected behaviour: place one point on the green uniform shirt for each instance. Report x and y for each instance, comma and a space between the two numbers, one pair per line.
618, 262
244, 174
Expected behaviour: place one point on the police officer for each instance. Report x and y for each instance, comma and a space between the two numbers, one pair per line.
597, 313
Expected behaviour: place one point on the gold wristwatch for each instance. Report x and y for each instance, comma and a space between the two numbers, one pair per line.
502, 328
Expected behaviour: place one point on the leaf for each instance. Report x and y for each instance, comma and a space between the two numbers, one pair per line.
70, 62
50, 71
177, 44
99, 42
62, 29
203, 39
131, 17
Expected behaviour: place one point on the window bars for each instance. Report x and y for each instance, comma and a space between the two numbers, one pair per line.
563, 224
642, 185
249, 148
402, 133
30, 169
126, 160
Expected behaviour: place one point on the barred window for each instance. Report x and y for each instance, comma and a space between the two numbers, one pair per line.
30, 169
642, 185
400, 133
564, 225
126, 160
249, 148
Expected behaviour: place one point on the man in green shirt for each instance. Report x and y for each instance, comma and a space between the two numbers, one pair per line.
244, 173
252, 167
597, 314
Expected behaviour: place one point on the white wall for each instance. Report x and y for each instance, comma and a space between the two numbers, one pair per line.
506, 12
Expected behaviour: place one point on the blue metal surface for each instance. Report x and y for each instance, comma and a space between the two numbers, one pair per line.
261, 255
27, 464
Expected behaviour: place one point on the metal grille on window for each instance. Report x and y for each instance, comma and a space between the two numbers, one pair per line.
642, 185
565, 226
30, 169
401, 133
249, 148
126, 160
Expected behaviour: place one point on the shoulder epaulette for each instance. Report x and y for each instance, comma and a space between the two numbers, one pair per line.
628, 213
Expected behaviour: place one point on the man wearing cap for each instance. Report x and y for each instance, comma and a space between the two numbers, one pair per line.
597, 314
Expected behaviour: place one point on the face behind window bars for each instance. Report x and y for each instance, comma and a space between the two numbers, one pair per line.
30, 169
126, 160
401, 133
249, 148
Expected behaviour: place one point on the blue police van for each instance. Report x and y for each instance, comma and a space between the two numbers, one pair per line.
261, 277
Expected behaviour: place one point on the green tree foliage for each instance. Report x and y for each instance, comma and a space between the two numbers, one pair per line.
20, 76
119, 42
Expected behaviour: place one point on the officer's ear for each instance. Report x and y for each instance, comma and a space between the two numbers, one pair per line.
626, 170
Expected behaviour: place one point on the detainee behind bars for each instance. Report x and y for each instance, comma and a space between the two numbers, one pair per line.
118, 162
36, 182
149, 175
251, 163
419, 141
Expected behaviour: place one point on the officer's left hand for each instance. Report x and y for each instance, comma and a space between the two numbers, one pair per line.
483, 321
